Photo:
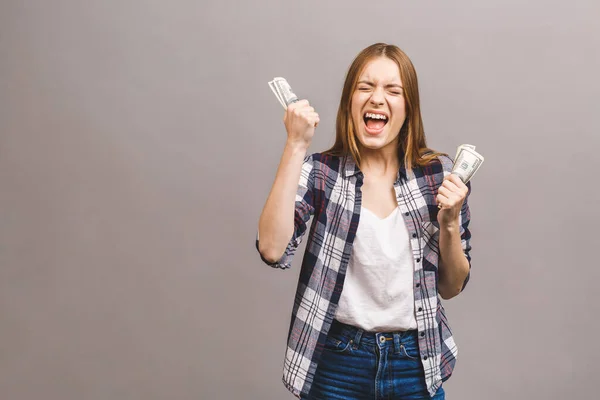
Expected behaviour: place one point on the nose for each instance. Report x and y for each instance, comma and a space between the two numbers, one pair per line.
377, 97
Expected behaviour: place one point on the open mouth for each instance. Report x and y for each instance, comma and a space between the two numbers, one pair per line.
375, 121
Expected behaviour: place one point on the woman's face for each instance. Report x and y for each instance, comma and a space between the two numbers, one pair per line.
378, 108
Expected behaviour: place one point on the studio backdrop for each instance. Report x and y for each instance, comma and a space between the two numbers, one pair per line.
139, 141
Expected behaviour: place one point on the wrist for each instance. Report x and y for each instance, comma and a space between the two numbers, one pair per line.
451, 227
297, 146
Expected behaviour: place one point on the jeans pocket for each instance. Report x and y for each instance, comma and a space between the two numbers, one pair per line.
338, 344
410, 352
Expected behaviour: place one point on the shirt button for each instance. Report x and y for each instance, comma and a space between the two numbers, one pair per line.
420, 309
414, 235
422, 334
418, 285
418, 260
406, 214
424, 357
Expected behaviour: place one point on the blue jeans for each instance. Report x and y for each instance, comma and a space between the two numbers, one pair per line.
365, 365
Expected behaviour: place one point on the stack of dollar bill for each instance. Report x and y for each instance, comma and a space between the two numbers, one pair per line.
466, 162
283, 91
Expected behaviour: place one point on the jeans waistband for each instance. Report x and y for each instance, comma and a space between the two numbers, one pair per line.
359, 335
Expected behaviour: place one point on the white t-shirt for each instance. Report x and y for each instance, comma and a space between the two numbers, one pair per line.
378, 288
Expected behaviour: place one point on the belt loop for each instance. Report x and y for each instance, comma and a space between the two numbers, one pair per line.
357, 338
396, 343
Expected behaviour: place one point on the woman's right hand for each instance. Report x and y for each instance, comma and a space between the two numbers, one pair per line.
300, 121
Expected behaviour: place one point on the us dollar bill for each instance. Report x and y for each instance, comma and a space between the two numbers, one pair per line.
469, 146
282, 90
467, 162
274, 89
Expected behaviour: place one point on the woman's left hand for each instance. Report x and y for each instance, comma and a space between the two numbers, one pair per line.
451, 195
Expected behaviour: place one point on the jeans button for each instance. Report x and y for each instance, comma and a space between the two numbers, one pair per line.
381, 339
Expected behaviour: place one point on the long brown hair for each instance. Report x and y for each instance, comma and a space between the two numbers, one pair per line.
412, 146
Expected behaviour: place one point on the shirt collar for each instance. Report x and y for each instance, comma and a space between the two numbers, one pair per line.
351, 168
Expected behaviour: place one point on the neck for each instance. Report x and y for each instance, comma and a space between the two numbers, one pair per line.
381, 161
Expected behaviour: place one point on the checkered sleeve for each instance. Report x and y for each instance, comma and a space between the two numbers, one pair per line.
465, 217
304, 209
465, 233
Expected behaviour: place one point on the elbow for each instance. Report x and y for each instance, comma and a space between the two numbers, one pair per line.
270, 258
449, 290
450, 286
269, 254
447, 294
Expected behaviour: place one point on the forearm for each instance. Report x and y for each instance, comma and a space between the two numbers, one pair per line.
276, 222
453, 266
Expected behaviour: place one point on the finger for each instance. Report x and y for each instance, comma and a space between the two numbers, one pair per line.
309, 114
457, 181
306, 110
451, 193
447, 193
456, 185
291, 107
450, 185
297, 113
441, 199
297, 105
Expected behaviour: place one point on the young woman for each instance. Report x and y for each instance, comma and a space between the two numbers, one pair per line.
389, 236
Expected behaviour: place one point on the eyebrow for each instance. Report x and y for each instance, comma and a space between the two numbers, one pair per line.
388, 85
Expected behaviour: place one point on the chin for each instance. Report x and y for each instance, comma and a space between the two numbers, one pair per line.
375, 142
373, 139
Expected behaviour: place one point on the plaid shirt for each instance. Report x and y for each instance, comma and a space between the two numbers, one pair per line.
329, 189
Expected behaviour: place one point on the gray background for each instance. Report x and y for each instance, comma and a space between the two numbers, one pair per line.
138, 143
